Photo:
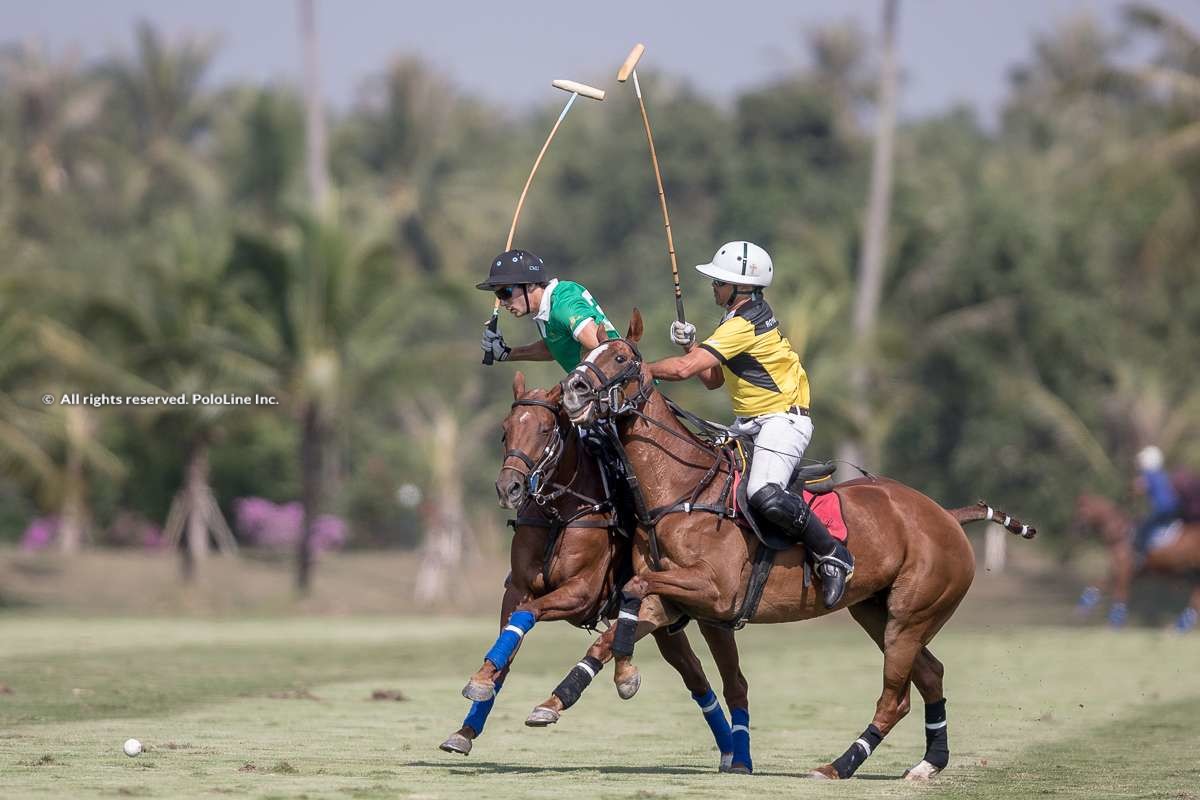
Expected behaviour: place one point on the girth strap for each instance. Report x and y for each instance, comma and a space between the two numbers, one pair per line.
764, 559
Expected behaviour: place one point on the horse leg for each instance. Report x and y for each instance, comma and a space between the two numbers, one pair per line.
677, 651
927, 674
641, 613
735, 688
603, 650
566, 602
1121, 575
1189, 616
460, 741
902, 644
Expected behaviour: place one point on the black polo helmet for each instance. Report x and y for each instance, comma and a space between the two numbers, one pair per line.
513, 268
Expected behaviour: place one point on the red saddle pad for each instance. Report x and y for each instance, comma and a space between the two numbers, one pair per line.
828, 508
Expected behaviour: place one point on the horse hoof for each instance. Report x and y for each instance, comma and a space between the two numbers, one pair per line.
628, 688
457, 743
921, 772
825, 773
479, 692
541, 717
726, 762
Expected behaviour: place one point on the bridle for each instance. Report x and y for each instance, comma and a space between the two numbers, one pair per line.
609, 395
535, 472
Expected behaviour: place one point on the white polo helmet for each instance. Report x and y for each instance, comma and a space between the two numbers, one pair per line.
743, 263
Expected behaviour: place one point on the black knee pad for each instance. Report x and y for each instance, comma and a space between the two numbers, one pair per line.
779, 506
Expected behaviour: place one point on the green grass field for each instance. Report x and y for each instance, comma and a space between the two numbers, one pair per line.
281, 708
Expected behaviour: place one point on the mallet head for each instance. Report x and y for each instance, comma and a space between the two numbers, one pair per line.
579, 88
630, 62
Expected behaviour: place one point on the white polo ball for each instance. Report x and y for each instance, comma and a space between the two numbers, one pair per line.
132, 747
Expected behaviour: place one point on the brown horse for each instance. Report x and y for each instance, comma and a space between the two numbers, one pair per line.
1177, 557
568, 561
914, 563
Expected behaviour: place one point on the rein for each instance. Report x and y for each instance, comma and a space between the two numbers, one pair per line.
612, 403
541, 490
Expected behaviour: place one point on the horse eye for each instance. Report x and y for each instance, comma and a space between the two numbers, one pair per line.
620, 359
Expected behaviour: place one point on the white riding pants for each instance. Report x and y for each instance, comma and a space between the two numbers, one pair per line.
779, 443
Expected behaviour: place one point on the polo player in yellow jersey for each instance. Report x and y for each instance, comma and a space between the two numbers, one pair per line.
749, 355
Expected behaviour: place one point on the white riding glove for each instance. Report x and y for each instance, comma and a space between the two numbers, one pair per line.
683, 333
493, 343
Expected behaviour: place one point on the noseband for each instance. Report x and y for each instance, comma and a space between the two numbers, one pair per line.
534, 475
608, 396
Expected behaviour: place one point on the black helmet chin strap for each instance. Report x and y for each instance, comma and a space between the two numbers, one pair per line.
754, 291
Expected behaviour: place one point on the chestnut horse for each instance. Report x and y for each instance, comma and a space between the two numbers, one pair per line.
914, 563
1178, 556
568, 562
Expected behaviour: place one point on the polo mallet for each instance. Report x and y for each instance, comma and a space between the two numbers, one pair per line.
627, 69
576, 89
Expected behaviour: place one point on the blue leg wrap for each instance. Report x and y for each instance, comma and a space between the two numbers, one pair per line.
1117, 614
714, 715
1089, 599
1187, 620
502, 651
477, 716
740, 717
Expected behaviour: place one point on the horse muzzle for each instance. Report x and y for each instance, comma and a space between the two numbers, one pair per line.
510, 492
579, 400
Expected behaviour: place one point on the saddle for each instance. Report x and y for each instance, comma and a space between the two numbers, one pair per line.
807, 480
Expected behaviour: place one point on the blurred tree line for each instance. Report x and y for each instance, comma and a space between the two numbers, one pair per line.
1039, 317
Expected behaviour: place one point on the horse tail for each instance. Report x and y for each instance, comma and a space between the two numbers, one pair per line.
982, 510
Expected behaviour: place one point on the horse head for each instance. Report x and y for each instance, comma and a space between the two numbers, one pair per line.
531, 427
611, 381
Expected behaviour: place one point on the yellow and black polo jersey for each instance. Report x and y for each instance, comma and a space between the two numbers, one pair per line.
762, 372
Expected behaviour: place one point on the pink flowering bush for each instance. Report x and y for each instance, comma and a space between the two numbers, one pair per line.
261, 523
39, 534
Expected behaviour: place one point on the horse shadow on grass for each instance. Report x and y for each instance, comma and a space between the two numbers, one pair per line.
493, 768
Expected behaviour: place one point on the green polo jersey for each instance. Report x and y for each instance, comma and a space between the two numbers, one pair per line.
565, 309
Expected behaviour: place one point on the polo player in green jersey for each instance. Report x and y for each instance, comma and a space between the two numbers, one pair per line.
569, 320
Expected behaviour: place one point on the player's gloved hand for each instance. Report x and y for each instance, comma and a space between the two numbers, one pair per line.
683, 333
493, 343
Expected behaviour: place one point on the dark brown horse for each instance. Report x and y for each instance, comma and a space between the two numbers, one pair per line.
913, 561
1178, 556
567, 559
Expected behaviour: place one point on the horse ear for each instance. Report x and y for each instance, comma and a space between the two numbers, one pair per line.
555, 393
635, 326
518, 385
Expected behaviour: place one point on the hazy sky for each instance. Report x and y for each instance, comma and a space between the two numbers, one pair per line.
951, 50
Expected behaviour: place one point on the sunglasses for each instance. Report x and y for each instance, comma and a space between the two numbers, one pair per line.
719, 284
505, 292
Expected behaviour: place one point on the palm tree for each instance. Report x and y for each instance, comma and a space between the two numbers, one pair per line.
156, 117
871, 265
48, 113
326, 327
